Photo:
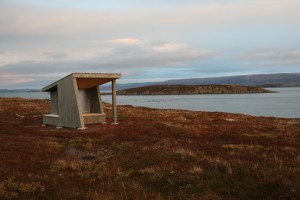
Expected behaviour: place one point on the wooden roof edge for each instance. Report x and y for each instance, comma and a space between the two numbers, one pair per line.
83, 75
97, 75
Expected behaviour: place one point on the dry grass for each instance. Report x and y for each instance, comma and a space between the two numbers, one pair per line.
243, 147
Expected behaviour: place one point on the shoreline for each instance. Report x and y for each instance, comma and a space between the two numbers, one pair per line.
175, 109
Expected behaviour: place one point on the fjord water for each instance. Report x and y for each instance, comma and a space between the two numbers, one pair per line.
31, 95
286, 103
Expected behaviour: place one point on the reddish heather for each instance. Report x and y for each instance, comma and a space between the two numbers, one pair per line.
151, 154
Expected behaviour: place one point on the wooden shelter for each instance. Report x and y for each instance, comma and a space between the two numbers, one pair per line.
76, 100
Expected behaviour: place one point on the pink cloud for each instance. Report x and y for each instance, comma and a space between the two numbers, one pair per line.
8, 79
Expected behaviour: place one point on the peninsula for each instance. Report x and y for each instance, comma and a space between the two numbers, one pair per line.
192, 89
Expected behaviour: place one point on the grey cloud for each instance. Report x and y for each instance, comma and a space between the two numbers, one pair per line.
56, 55
114, 62
120, 59
272, 56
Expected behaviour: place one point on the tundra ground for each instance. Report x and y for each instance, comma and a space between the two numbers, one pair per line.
151, 154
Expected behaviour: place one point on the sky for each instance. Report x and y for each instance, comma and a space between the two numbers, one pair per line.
146, 40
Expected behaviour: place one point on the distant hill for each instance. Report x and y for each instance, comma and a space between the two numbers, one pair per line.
20, 90
191, 89
264, 80
284, 79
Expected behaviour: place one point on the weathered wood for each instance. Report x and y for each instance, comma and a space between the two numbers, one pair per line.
114, 101
95, 100
51, 119
86, 80
100, 100
69, 105
54, 101
94, 118
97, 75
76, 100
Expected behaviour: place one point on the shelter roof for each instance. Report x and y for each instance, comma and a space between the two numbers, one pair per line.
86, 80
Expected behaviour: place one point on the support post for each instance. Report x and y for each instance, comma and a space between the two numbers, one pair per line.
114, 101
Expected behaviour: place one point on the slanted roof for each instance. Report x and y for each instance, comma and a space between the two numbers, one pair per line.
86, 80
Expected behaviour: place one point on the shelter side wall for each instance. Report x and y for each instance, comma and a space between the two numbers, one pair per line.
68, 103
95, 101
84, 100
100, 100
54, 101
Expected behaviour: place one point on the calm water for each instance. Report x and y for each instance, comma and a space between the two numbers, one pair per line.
286, 103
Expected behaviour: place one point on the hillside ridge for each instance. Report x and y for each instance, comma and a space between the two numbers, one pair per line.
262, 80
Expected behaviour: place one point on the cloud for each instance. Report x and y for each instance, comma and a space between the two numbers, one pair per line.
272, 56
170, 47
123, 41
56, 55
39, 39
8, 79
129, 58
40, 20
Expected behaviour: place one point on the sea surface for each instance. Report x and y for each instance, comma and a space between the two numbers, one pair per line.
285, 103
